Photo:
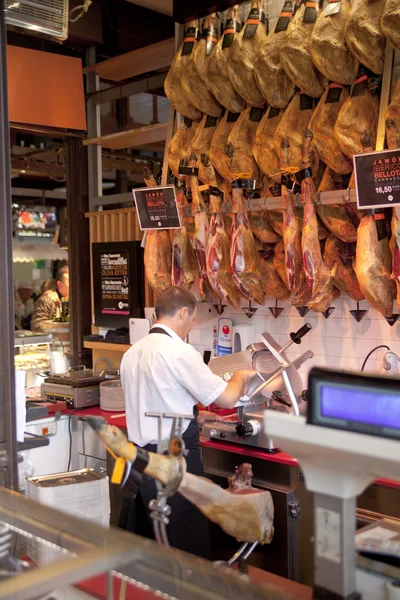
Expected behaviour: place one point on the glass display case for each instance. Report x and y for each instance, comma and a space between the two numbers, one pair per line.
33, 355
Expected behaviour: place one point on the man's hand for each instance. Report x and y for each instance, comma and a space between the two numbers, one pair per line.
235, 389
207, 415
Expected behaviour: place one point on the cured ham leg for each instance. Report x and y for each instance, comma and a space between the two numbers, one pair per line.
245, 261
341, 220
200, 235
262, 228
271, 281
184, 264
318, 275
340, 255
243, 512
393, 142
157, 252
200, 147
177, 148
219, 271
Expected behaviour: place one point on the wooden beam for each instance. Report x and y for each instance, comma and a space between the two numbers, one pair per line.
133, 138
131, 64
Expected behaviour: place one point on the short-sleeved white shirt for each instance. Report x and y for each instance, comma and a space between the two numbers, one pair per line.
164, 374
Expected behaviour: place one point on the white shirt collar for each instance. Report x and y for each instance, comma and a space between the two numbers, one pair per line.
172, 333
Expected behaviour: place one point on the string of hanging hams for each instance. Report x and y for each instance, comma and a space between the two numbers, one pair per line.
286, 110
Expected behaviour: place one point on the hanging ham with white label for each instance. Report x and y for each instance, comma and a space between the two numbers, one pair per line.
177, 148
328, 49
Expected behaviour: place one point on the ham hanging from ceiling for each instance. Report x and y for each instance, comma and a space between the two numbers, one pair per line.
270, 77
193, 78
328, 49
243, 52
157, 251
289, 136
172, 85
184, 264
261, 227
393, 142
280, 264
322, 125
217, 78
358, 116
177, 148
320, 280
245, 260
374, 263
363, 33
219, 159
292, 239
339, 257
218, 264
263, 146
271, 282
200, 147
390, 22
239, 147
294, 51
200, 234
341, 219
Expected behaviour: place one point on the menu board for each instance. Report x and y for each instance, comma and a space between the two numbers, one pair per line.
377, 179
157, 208
117, 282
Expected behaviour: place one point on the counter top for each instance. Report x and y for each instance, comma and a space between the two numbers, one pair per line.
119, 420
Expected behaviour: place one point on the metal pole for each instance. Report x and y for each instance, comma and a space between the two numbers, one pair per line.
8, 443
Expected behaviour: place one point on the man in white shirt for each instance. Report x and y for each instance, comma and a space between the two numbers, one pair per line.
161, 373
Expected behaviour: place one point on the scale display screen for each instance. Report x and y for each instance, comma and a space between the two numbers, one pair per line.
355, 402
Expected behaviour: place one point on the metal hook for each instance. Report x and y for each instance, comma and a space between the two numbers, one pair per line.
346, 199
318, 201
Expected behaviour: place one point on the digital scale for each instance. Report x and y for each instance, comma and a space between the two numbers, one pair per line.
350, 438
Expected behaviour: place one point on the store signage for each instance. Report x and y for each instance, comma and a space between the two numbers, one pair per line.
377, 179
116, 279
157, 208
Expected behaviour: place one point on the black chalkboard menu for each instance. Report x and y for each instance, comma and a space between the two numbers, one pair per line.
156, 207
118, 283
378, 179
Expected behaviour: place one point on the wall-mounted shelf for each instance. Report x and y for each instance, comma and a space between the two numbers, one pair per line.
132, 138
131, 64
106, 346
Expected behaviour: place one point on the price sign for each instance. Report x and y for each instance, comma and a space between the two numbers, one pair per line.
377, 179
157, 208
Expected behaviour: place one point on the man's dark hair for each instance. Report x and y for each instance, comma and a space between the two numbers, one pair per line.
173, 299
61, 273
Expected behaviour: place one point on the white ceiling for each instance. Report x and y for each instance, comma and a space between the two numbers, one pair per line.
161, 6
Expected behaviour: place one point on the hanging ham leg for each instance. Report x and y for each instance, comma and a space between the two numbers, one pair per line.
393, 142
318, 275
219, 271
245, 261
184, 264
243, 512
177, 148
200, 234
157, 252
271, 281
340, 255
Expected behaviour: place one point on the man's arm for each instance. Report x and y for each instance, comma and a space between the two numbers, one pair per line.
235, 389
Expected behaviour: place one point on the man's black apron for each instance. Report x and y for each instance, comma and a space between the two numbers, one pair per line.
188, 527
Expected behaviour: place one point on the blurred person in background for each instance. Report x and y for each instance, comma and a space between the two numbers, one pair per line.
23, 305
46, 304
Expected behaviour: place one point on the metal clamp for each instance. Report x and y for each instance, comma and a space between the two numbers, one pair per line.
160, 510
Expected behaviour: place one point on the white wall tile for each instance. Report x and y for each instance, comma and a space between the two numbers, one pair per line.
326, 346
317, 323
341, 328
374, 329
372, 366
195, 337
343, 363
316, 361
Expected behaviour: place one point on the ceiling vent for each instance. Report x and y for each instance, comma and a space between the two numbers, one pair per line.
49, 17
